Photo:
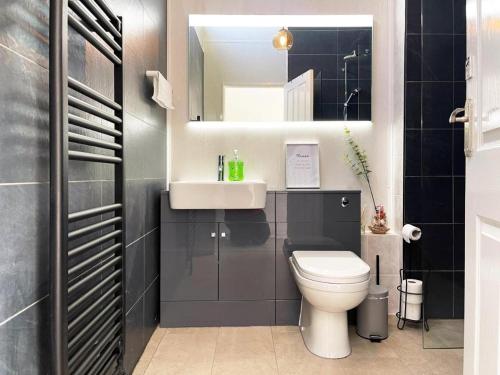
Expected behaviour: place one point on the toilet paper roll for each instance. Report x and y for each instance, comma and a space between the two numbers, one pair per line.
413, 299
412, 286
413, 311
411, 233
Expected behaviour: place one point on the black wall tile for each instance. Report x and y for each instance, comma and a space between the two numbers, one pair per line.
459, 247
24, 28
413, 58
151, 310
459, 56
135, 335
459, 17
438, 297
459, 199
135, 280
329, 91
135, 210
299, 64
458, 153
364, 112
437, 152
436, 247
458, 294
437, 104
152, 256
459, 96
437, 16
314, 42
428, 200
24, 230
24, 118
351, 40
413, 16
413, 105
25, 343
437, 58
413, 152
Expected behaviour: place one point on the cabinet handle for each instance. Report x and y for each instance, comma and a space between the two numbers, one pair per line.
223, 234
213, 234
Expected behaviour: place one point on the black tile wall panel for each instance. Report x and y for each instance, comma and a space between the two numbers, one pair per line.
323, 50
434, 164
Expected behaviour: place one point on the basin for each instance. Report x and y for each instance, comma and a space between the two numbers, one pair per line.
206, 195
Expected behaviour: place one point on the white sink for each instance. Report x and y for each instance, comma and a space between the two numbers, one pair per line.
203, 195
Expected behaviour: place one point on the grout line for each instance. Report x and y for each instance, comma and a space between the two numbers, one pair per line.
274, 350
156, 349
23, 183
143, 236
215, 350
22, 311
23, 57
143, 294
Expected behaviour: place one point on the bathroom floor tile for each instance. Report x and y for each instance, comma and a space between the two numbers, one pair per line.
184, 351
293, 357
245, 350
149, 352
280, 350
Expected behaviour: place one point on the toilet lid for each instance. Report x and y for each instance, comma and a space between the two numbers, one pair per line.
336, 267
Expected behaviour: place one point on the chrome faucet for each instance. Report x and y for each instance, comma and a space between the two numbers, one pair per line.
220, 168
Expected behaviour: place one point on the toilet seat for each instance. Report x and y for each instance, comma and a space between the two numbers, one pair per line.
331, 267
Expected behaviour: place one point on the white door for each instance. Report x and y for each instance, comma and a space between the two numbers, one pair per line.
482, 217
299, 98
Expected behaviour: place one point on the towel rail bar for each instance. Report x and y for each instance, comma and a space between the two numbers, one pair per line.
85, 214
93, 94
91, 125
89, 108
97, 43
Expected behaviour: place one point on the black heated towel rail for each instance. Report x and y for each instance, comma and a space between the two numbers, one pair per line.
87, 247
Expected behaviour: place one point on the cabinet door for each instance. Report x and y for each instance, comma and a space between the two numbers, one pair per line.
189, 262
246, 261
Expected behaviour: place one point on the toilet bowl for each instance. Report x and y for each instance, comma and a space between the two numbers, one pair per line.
331, 283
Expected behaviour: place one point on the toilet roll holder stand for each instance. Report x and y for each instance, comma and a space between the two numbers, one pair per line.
402, 319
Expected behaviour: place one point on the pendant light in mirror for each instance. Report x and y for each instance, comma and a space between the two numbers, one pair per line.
283, 40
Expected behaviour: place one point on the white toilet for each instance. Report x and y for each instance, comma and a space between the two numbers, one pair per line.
331, 282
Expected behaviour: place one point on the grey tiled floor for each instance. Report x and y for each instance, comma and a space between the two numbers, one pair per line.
280, 350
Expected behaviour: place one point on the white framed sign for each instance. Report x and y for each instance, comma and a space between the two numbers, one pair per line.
302, 166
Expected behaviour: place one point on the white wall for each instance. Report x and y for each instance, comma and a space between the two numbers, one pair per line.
194, 147
253, 103
235, 59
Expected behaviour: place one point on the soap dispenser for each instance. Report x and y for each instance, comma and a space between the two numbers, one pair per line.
236, 168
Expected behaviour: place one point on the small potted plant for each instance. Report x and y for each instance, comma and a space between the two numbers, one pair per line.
358, 161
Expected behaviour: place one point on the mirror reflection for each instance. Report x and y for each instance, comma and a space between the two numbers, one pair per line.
279, 73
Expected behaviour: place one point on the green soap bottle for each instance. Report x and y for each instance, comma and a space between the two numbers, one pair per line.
236, 168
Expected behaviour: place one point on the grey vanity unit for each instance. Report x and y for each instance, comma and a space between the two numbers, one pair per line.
230, 267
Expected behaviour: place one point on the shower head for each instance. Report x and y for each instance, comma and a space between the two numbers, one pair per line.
353, 55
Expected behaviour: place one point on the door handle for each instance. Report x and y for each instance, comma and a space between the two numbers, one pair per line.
223, 234
213, 234
454, 116
466, 119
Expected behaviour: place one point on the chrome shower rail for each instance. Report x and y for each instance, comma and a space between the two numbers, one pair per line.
87, 247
